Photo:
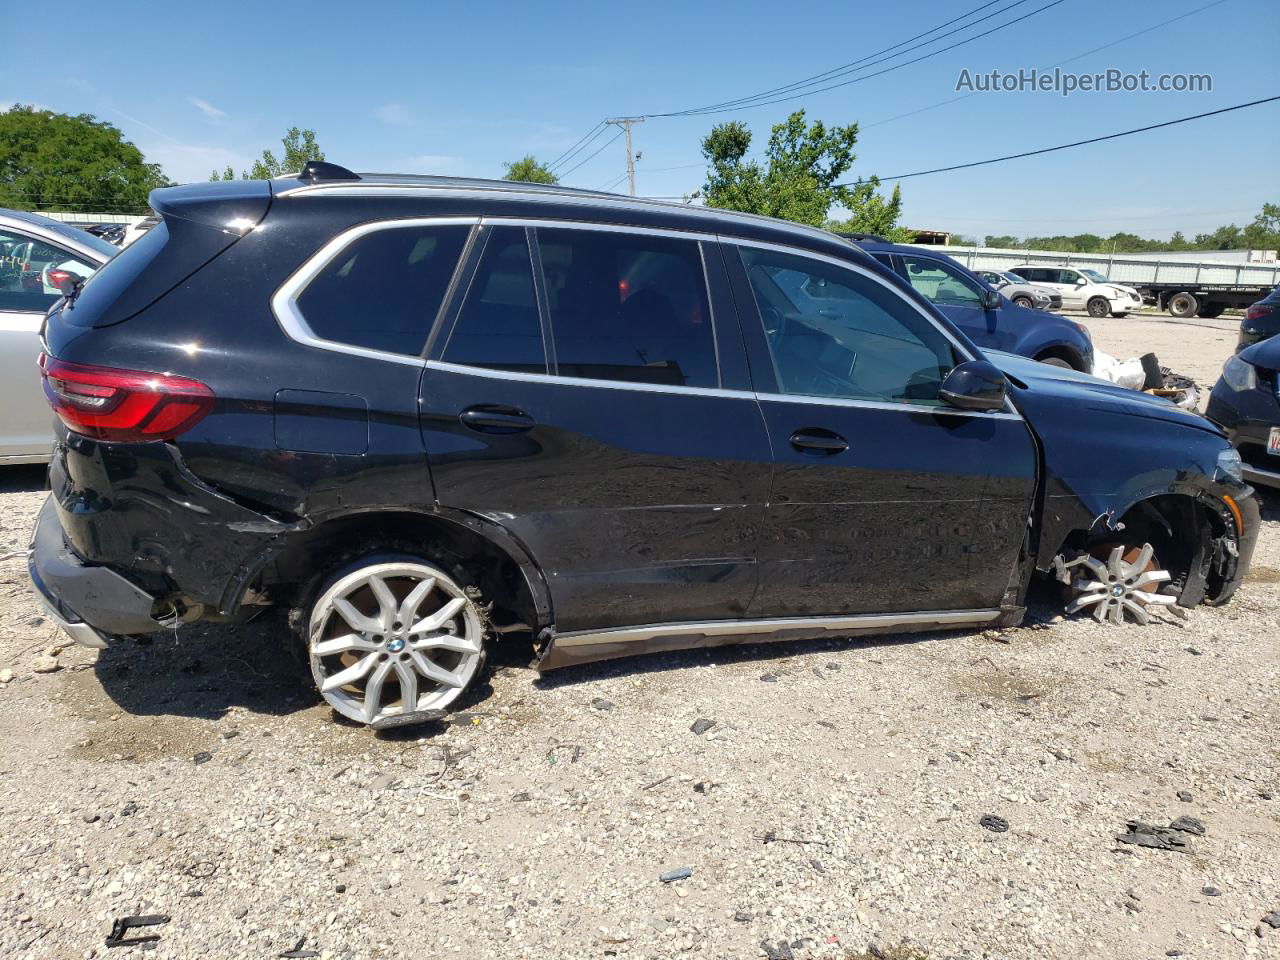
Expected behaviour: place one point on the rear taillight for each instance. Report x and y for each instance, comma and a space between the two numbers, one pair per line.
127, 406
59, 278
1258, 311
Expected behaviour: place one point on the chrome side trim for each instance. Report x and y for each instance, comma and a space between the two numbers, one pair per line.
284, 302
941, 408
587, 382
748, 628
552, 224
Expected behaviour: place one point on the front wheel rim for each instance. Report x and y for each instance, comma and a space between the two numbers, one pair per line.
393, 639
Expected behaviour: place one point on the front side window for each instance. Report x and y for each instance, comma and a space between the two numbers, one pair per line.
383, 290
628, 307
834, 332
33, 272
941, 282
498, 326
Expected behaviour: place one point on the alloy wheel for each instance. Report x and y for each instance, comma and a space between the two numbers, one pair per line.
389, 640
1124, 583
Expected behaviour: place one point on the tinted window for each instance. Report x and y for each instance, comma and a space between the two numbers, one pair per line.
836, 333
32, 272
1033, 274
628, 307
498, 326
941, 282
383, 290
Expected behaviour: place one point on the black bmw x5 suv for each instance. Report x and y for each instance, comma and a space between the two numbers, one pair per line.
427, 414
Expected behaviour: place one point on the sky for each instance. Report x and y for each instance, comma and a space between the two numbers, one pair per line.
461, 89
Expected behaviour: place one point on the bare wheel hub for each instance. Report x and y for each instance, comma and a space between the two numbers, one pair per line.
393, 639
1125, 583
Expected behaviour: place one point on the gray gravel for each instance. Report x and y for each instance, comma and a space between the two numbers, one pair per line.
835, 803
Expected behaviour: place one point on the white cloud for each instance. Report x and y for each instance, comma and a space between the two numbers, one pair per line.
395, 114
437, 163
8, 103
207, 108
192, 163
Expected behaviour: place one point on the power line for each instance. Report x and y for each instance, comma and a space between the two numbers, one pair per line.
593, 155
878, 73
574, 152
1067, 146
577, 146
1078, 56
850, 67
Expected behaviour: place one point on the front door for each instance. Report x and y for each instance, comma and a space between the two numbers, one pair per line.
884, 499
599, 429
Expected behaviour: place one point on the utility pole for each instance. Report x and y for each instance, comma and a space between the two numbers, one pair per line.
625, 123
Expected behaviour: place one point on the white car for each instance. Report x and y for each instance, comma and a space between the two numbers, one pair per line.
38, 256
1083, 289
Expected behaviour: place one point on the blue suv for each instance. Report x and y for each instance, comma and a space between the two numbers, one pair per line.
989, 319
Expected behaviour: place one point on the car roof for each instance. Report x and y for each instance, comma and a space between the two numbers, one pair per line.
57, 231
617, 207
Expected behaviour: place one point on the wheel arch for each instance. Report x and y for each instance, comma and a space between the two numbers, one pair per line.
1182, 521
494, 558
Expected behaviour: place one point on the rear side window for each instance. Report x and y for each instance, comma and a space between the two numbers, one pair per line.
32, 272
628, 307
498, 326
383, 290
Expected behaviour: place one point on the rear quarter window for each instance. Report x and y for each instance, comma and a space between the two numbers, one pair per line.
382, 291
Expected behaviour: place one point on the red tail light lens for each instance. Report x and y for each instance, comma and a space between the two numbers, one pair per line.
1258, 311
127, 406
58, 278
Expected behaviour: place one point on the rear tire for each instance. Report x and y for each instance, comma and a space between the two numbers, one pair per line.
1098, 307
393, 637
1183, 305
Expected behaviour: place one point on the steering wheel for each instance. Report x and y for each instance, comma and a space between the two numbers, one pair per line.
775, 324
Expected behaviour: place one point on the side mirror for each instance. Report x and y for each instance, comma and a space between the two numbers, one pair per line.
990, 300
1081, 281
974, 385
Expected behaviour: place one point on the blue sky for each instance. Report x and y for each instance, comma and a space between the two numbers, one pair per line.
458, 89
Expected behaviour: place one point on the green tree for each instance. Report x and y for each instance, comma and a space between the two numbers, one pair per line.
1004, 241
57, 161
529, 170
299, 147
1264, 232
799, 178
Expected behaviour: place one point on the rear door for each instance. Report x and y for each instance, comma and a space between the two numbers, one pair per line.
884, 499
589, 392
29, 271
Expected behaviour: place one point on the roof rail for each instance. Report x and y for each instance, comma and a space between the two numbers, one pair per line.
859, 237
317, 171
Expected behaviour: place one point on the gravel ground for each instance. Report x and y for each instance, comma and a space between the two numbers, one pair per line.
833, 809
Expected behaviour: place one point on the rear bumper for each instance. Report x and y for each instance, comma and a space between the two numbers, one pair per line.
90, 603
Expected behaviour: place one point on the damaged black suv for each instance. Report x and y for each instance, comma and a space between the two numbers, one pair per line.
427, 414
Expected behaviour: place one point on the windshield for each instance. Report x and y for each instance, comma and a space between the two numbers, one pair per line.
1095, 276
1012, 277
